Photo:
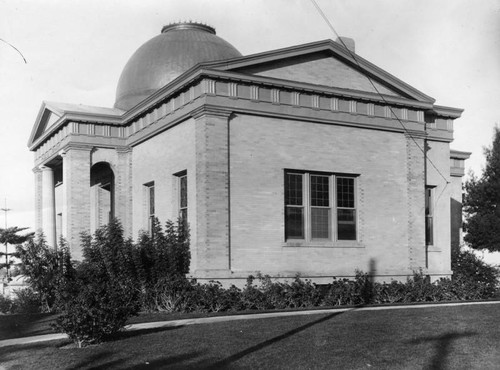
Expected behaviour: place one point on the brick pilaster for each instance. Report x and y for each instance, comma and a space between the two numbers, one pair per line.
212, 191
123, 190
416, 202
76, 196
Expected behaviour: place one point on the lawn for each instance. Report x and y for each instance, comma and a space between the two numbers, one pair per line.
458, 337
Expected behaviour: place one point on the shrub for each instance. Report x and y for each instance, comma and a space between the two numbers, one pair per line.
161, 259
252, 298
104, 294
94, 309
46, 269
25, 301
170, 295
5, 304
473, 278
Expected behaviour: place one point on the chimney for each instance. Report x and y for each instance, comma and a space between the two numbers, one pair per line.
349, 43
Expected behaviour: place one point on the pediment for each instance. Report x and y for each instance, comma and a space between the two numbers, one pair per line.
320, 69
324, 63
47, 117
52, 114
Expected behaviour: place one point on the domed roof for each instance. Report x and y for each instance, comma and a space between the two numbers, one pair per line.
165, 57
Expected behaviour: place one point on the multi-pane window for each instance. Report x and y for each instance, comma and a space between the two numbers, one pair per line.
319, 206
429, 216
183, 199
346, 209
150, 205
294, 206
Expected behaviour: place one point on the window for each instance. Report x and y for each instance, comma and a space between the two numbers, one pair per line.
319, 206
429, 215
183, 198
150, 205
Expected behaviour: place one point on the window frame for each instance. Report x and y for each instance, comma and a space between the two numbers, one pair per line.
429, 215
333, 238
150, 201
182, 209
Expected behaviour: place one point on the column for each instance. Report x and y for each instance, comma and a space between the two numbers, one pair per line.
48, 206
38, 200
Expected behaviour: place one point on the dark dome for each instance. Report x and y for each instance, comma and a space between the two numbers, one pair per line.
165, 57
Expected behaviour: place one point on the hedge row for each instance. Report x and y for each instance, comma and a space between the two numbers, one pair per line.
262, 293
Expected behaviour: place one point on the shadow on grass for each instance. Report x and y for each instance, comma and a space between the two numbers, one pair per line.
23, 325
237, 356
134, 333
9, 352
442, 346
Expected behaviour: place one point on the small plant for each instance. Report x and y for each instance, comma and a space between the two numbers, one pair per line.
25, 301
5, 304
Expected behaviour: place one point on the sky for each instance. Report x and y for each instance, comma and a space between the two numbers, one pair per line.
76, 49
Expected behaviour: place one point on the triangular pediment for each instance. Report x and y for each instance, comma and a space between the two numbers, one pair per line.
324, 63
53, 114
47, 117
320, 69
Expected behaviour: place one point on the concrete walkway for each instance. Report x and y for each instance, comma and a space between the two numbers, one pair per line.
216, 319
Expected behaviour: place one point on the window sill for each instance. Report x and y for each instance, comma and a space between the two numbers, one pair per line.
321, 244
433, 248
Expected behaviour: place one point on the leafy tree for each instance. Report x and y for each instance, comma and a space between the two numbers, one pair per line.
482, 202
10, 236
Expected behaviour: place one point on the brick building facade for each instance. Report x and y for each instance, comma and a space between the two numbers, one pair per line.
306, 160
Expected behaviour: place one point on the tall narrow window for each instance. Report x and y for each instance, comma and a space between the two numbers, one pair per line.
183, 199
150, 205
429, 215
294, 206
346, 209
320, 207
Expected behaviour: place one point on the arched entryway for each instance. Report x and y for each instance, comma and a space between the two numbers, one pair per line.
102, 192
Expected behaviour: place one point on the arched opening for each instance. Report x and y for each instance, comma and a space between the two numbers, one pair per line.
102, 192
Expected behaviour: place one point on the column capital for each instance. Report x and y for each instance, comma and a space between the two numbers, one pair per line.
44, 167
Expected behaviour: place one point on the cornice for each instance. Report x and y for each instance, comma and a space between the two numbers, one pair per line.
459, 154
447, 111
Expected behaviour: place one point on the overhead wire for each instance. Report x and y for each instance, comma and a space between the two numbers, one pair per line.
12, 46
325, 18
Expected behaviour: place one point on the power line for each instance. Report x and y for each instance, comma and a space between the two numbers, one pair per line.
13, 47
377, 90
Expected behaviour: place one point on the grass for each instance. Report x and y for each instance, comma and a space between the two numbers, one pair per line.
459, 337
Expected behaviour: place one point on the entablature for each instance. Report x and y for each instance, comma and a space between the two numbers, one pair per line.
240, 93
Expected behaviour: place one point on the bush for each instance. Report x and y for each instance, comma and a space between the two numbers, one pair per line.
105, 293
46, 269
473, 278
160, 260
5, 304
94, 310
25, 301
